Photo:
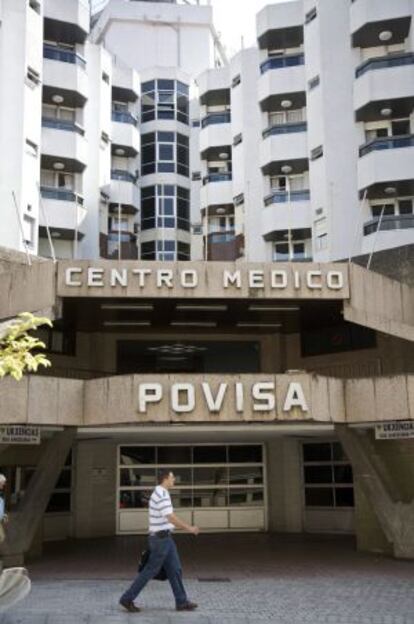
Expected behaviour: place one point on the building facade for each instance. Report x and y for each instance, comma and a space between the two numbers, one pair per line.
139, 139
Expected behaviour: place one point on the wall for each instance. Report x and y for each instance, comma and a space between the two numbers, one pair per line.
284, 486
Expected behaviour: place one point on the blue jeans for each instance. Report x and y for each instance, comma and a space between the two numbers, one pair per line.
163, 552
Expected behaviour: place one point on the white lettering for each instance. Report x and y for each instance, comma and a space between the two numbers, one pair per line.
164, 277
256, 279
310, 275
69, 277
295, 398
279, 275
214, 404
232, 278
189, 401
141, 275
148, 393
119, 277
264, 393
335, 280
95, 277
189, 279
239, 397
296, 278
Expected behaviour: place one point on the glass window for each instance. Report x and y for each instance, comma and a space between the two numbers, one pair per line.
133, 499
170, 455
245, 497
181, 498
214, 497
165, 99
211, 475
243, 454
210, 454
327, 475
144, 477
248, 475
134, 455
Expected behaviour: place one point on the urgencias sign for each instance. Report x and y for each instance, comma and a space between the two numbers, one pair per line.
188, 397
114, 279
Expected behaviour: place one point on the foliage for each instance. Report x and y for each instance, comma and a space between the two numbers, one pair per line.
17, 346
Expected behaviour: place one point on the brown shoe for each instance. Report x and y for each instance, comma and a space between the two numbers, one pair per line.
187, 606
129, 606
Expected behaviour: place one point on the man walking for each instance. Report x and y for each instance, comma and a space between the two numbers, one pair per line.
163, 551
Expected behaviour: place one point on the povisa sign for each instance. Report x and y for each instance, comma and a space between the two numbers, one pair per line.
183, 397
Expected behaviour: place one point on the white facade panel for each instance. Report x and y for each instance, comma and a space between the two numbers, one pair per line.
385, 165
384, 84
125, 134
69, 76
282, 80
215, 135
66, 215
293, 215
123, 192
215, 193
64, 144
283, 147
71, 11
366, 11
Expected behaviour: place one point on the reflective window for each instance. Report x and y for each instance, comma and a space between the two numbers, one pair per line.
165, 152
165, 99
327, 475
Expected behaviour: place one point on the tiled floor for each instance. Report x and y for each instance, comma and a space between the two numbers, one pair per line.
278, 579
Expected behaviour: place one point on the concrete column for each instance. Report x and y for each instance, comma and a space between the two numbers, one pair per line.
25, 520
395, 517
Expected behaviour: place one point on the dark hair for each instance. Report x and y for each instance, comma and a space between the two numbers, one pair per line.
163, 474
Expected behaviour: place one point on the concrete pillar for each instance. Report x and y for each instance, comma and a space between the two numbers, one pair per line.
25, 520
395, 517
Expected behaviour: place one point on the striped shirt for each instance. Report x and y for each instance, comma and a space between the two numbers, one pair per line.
160, 506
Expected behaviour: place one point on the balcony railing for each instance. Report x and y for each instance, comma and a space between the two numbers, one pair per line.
282, 197
287, 128
384, 143
216, 118
62, 194
217, 177
124, 117
278, 62
62, 124
381, 62
125, 176
389, 222
60, 54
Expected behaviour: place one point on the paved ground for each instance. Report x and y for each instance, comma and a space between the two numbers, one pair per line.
258, 579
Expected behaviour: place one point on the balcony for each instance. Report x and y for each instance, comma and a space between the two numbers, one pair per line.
282, 62
217, 189
126, 86
124, 117
370, 17
274, 86
288, 128
121, 245
295, 215
65, 71
384, 62
216, 131
63, 141
289, 31
394, 231
284, 146
214, 87
125, 135
124, 190
392, 87
283, 197
62, 210
66, 21
224, 246
386, 160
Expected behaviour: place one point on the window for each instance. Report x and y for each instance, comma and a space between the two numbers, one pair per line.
33, 76
165, 206
310, 15
336, 337
196, 123
105, 77
29, 230
165, 99
58, 340
285, 252
239, 199
405, 206
105, 137
279, 118
237, 139
321, 242
31, 148
316, 153
35, 5
165, 152
206, 475
236, 81
314, 82
327, 475
196, 176
166, 250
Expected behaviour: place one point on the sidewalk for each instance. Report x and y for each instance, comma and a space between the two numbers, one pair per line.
241, 579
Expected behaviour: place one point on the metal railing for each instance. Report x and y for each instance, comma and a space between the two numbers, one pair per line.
217, 177
62, 124
278, 62
282, 197
216, 118
62, 194
389, 222
287, 128
295, 258
125, 176
384, 143
382, 62
124, 117
61, 54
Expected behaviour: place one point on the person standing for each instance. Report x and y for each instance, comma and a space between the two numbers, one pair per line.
3, 515
163, 551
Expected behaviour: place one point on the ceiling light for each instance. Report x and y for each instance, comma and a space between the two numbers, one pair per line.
286, 169
119, 151
55, 234
390, 190
192, 324
57, 99
177, 349
386, 112
286, 103
201, 308
58, 165
224, 155
127, 323
265, 325
127, 306
256, 308
385, 35
220, 210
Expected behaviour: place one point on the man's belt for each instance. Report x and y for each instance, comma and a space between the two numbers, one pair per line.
165, 533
